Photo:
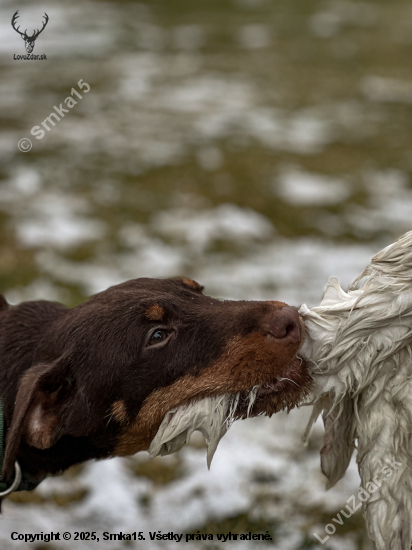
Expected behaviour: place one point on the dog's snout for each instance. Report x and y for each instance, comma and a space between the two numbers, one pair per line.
285, 325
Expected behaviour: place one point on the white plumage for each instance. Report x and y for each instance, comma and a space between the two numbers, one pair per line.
212, 416
360, 349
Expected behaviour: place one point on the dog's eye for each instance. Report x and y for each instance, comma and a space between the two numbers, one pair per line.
158, 336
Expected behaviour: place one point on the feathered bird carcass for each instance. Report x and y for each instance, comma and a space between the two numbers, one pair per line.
360, 348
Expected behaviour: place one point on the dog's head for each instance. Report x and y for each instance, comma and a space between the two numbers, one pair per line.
105, 373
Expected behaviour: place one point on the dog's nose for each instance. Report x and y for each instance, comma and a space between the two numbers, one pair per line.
285, 325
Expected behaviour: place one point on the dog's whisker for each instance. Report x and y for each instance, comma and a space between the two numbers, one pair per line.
289, 380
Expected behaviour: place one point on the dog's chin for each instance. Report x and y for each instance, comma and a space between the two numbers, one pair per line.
282, 392
213, 415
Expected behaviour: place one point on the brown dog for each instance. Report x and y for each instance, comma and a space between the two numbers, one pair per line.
97, 380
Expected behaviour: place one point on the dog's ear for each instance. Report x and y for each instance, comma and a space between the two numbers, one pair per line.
339, 440
43, 392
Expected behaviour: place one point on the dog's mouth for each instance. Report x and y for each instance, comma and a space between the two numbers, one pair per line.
284, 391
214, 415
292, 375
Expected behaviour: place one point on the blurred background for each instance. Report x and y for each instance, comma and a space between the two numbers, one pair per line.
257, 146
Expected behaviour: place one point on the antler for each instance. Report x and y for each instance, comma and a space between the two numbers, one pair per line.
13, 21
36, 34
24, 34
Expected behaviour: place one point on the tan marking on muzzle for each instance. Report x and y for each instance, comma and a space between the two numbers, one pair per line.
244, 363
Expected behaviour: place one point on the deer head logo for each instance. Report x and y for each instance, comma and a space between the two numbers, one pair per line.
29, 40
